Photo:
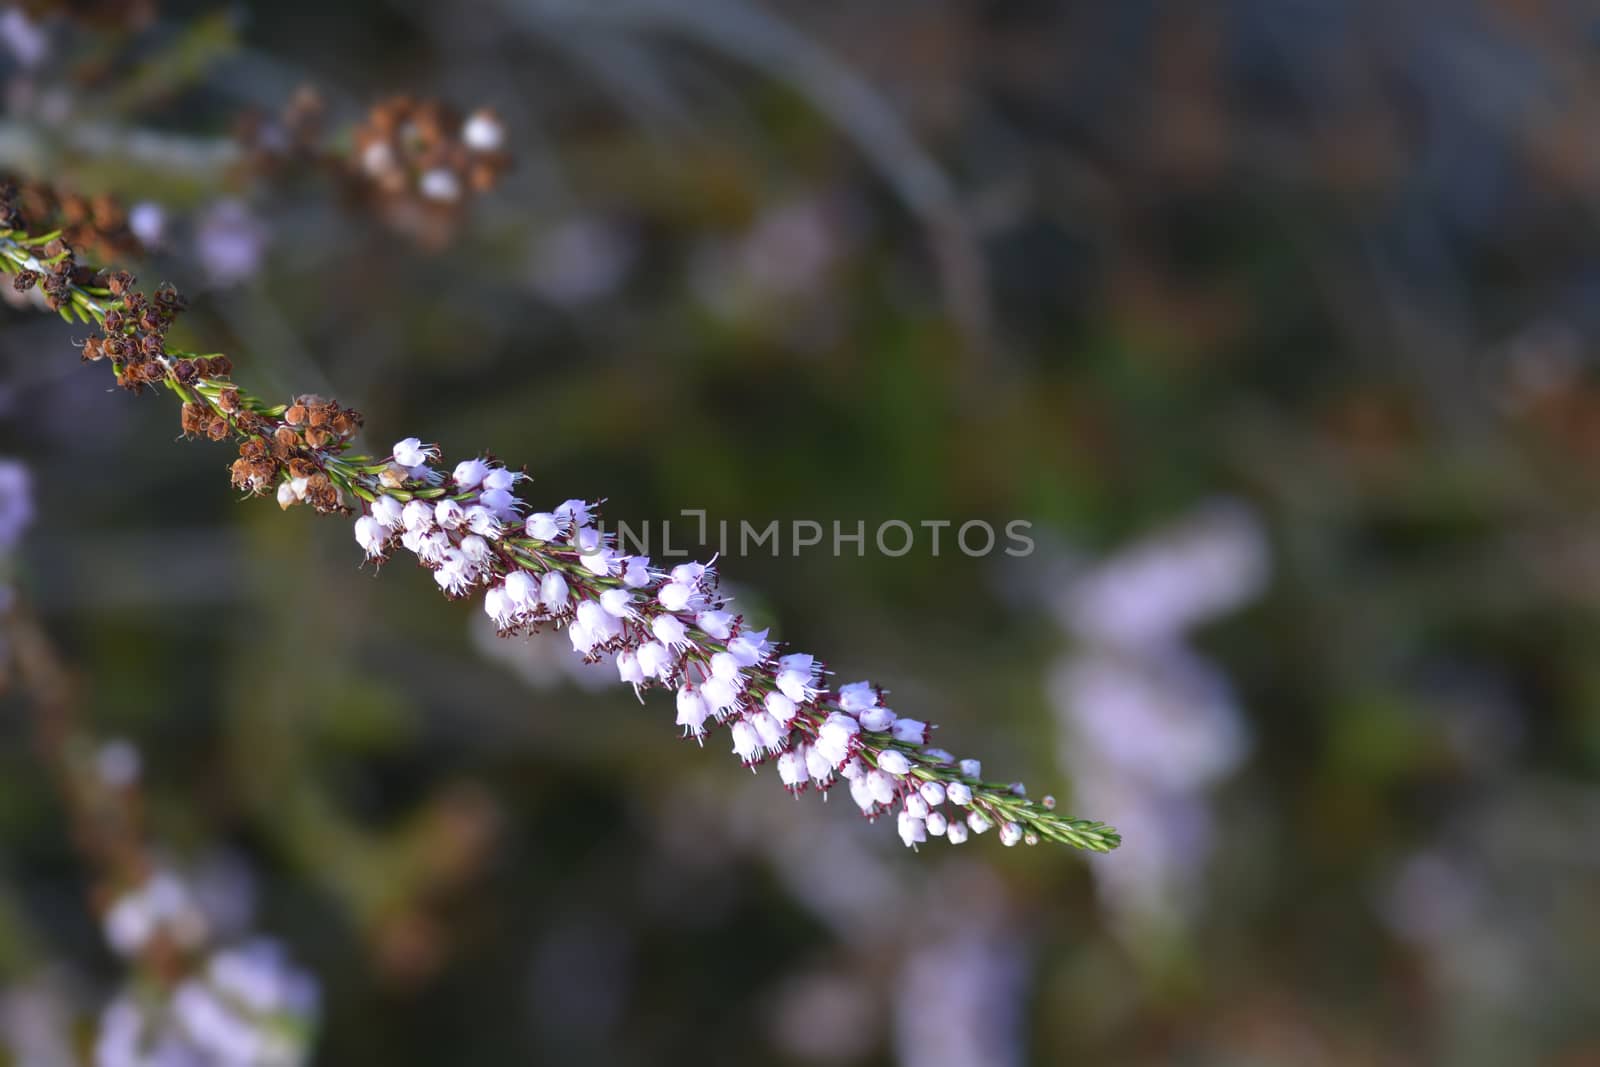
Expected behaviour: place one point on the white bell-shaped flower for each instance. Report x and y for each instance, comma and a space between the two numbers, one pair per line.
882, 786
553, 591
469, 473
857, 696
670, 632
411, 453
522, 590
895, 763
370, 536
746, 742
910, 731
655, 659
541, 526
877, 719
389, 512
692, 712
779, 706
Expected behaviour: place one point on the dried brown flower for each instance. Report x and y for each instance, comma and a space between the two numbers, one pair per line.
193, 418
97, 225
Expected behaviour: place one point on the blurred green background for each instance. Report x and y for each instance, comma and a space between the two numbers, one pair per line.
1276, 319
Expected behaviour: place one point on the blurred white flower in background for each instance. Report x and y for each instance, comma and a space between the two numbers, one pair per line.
789, 248
1433, 899
1147, 725
118, 764
1167, 719
162, 907
246, 1007
582, 260
1155, 885
148, 221
1540, 361
230, 242
1481, 901
128, 1038
16, 503
16, 513
929, 958
960, 1003
36, 1021
960, 990
1153, 592
23, 38
241, 1005
785, 255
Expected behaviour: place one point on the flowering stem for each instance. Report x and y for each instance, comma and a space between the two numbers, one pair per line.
663, 629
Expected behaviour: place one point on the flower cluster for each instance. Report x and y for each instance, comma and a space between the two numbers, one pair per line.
424, 151
97, 224
191, 998
672, 629
159, 910
417, 163
133, 335
198, 991
286, 451
1149, 726
660, 628
247, 1006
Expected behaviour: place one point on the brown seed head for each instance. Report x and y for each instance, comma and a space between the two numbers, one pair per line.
284, 442
321, 493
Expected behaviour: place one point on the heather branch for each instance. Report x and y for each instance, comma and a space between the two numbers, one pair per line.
184, 983
665, 629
